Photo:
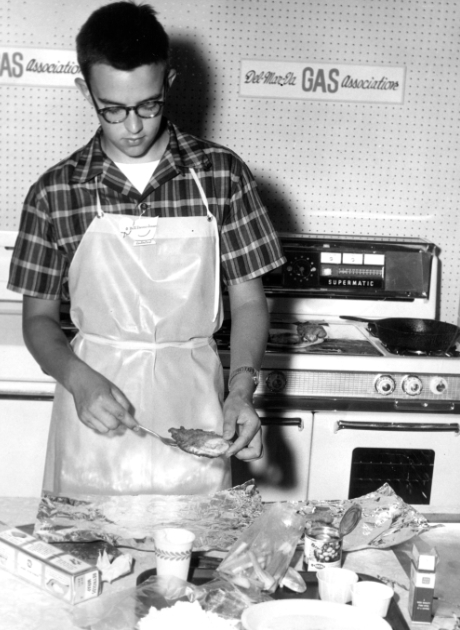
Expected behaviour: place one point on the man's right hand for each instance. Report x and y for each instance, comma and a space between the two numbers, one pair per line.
100, 404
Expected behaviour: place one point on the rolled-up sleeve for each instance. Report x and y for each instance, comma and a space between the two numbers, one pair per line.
249, 243
37, 266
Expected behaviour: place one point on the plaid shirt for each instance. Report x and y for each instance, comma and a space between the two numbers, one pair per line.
61, 205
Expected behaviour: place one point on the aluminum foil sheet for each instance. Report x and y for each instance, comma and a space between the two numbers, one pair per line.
386, 520
128, 521
217, 520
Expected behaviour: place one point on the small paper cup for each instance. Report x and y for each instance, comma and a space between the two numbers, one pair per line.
372, 596
334, 585
173, 550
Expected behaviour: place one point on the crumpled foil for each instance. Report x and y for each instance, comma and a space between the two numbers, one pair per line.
128, 521
386, 520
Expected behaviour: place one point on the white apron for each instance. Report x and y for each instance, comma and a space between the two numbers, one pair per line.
145, 297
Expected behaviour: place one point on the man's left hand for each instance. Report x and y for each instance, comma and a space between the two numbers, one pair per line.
241, 417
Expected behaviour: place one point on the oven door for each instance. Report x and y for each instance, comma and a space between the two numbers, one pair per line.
282, 473
418, 455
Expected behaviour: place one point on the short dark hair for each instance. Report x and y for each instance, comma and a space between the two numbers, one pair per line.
124, 35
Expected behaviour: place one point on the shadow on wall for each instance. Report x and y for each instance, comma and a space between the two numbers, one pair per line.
190, 99
281, 213
190, 105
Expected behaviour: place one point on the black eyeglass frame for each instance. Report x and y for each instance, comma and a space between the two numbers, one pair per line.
162, 103
135, 108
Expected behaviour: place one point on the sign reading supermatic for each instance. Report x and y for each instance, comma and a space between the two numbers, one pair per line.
39, 67
322, 81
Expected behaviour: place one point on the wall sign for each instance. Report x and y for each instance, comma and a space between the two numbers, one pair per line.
322, 81
40, 67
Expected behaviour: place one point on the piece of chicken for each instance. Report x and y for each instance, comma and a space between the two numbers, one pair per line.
199, 442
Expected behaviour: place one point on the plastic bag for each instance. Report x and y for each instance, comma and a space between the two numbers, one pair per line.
227, 600
261, 556
122, 610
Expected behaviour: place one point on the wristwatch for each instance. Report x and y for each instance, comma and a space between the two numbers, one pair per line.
254, 373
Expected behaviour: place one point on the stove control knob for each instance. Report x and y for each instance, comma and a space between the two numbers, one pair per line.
300, 272
412, 385
438, 385
384, 384
276, 381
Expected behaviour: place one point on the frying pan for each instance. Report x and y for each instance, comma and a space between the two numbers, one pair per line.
416, 335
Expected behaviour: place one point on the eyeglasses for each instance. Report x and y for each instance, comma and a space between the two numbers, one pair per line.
119, 113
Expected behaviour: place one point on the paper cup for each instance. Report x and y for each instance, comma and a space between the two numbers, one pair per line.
372, 596
173, 550
334, 585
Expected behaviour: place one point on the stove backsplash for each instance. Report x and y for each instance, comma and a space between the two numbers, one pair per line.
350, 267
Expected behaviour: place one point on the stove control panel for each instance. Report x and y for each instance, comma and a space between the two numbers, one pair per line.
333, 270
349, 266
424, 390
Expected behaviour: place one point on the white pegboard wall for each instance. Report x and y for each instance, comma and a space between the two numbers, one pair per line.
321, 167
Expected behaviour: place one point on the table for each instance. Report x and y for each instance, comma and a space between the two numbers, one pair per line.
25, 607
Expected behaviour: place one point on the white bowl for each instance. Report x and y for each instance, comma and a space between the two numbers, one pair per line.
301, 614
374, 597
334, 585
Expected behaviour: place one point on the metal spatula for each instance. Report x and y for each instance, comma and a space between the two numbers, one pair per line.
167, 441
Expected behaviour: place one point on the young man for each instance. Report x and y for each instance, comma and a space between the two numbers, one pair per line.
138, 228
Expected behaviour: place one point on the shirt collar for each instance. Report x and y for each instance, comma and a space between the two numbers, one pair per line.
183, 152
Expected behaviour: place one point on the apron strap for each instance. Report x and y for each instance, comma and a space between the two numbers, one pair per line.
197, 342
99, 210
212, 218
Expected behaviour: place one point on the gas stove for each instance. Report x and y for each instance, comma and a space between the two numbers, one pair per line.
328, 277
344, 414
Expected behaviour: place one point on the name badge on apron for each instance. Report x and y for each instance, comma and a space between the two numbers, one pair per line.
141, 230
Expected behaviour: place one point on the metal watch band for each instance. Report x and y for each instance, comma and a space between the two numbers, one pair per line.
250, 370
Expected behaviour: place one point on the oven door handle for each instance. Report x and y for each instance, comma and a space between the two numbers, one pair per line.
25, 396
427, 427
275, 421
409, 405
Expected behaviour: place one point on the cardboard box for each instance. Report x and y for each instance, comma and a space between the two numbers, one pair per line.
48, 567
424, 557
422, 581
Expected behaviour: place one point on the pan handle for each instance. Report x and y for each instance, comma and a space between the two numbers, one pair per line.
357, 319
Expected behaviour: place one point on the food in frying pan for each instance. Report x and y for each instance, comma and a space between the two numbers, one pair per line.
199, 442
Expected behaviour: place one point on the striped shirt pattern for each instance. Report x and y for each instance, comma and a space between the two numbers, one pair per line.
60, 206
